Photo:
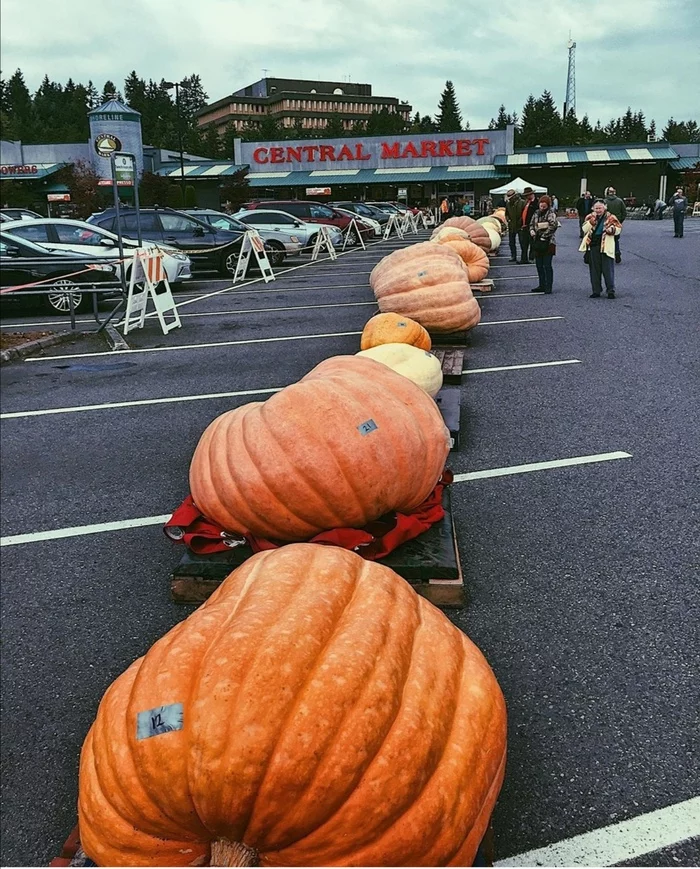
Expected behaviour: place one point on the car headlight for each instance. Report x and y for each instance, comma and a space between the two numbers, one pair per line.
174, 253
294, 238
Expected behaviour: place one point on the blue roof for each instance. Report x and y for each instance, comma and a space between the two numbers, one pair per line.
590, 154
210, 169
415, 175
114, 107
685, 163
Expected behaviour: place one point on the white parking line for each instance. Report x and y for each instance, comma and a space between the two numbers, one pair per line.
524, 320
513, 367
627, 840
80, 530
507, 295
191, 346
541, 466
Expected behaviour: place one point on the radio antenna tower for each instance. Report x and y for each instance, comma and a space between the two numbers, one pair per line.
570, 101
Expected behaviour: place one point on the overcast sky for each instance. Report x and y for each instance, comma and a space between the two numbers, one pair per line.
642, 53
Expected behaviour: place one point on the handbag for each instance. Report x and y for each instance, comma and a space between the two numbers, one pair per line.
587, 257
539, 246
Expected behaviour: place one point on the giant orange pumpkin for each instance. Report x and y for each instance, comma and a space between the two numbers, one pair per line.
429, 283
394, 329
349, 442
315, 710
462, 222
474, 257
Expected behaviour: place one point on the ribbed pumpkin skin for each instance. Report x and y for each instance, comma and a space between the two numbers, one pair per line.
394, 329
491, 222
473, 257
420, 366
332, 717
463, 222
429, 283
495, 237
297, 464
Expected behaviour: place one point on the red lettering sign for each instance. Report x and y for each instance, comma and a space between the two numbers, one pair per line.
18, 170
427, 148
327, 152
409, 150
463, 148
345, 153
276, 155
390, 152
310, 150
445, 148
480, 146
260, 155
294, 154
358, 153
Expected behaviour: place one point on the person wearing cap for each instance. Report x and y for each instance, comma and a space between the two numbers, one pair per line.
543, 226
679, 204
616, 206
514, 211
529, 208
600, 229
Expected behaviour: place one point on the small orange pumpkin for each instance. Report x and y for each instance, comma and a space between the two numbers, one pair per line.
350, 441
429, 283
315, 711
394, 329
474, 257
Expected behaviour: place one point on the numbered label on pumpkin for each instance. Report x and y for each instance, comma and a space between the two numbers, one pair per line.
366, 427
162, 719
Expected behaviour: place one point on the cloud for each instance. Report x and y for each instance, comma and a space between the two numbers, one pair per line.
641, 54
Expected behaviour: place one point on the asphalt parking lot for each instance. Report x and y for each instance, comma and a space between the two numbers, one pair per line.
582, 576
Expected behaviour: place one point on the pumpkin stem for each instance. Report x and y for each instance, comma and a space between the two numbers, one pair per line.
227, 853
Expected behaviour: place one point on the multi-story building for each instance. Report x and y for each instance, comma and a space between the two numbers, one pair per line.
293, 102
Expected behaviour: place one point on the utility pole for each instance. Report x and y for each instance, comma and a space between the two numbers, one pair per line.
177, 85
570, 101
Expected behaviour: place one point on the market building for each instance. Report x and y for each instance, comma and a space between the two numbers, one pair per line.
298, 102
419, 169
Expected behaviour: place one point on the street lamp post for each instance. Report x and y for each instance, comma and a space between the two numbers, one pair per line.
177, 85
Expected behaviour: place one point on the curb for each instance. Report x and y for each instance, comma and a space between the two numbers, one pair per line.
114, 339
29, 347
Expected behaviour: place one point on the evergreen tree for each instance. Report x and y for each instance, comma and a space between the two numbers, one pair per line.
359, 128
212, 144
227, 140
652, 131
526, 131
20, 111
110, 92
585, 132
550, 124
3, 95
449, 117
503, 119
92, 97
270, 129
297, 131
135, 92
334, 127
570, 129
683, 132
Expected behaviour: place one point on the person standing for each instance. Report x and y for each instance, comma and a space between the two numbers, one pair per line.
659, 208
529, 208
555, 203
467, 208
679, 204
444, 210
583, 205
600, 229
514, 211
616, 206
543, 226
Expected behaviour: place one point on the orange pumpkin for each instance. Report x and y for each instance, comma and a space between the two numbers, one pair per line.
315, 710
474, 257
463, 222
394, 329
349, 442
429, 283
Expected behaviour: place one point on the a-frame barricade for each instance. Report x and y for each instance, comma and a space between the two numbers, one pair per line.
252, 243
148, 279
358, 235
394, 223
324, 240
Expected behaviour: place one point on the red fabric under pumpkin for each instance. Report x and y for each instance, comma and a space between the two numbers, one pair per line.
377, 539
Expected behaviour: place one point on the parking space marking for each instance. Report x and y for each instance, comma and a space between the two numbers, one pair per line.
524, 320
190, 346
511, 367
138, 402
626, 840
81, 530
541, 466
506, 295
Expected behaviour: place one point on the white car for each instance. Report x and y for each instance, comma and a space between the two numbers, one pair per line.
75, 236
374, 225
265, 218
280, 243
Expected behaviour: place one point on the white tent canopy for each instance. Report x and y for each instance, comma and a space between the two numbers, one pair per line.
518, 184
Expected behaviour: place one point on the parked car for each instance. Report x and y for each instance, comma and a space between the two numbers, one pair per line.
390, 207
307, 231
209, 249
7, 214
77, 236
364, 210
361, 221
280, 242
16, 270
310, 211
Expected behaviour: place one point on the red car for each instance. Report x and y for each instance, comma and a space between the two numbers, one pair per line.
315, 212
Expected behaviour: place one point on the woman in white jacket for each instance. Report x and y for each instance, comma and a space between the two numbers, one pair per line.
600, 229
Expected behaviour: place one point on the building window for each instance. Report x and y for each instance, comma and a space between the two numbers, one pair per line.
338, 91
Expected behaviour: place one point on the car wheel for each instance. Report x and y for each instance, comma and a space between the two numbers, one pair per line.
352, 238
311, 243
58, 301
227, 268
275, 252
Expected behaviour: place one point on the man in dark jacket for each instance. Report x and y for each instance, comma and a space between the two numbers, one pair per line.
679, 204
617, 207
514, 213
584, 205
529, 207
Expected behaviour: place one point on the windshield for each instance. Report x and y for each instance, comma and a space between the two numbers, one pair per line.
223, 221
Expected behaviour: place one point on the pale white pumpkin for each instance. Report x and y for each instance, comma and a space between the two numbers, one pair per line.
417, 365
488, 222
495, 238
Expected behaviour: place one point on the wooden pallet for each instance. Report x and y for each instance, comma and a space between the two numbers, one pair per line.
430, 563
449, 402
484, 286
452, 361
448, 340
73, 855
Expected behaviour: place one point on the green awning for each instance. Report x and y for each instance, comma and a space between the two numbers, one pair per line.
29, 172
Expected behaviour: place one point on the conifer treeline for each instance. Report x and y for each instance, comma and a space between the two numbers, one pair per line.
56, 113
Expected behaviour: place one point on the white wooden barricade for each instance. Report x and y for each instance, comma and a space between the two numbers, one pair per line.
148, 279
394, 223
323, 240
353, 226
252, 243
